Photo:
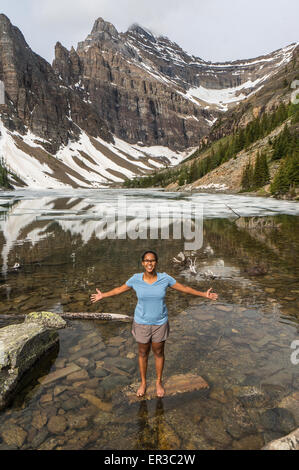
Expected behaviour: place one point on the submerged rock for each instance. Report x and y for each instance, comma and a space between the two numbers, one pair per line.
13, 435
278, 419
291, 403
250, 395
251, 442
215, 431
57, 424
180, 383
237, 421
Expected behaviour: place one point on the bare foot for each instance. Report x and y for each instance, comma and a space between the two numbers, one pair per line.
141, 390
160, 390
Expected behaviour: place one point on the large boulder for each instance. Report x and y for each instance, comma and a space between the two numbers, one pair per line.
21, 346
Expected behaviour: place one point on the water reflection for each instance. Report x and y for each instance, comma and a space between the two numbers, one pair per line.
150, 428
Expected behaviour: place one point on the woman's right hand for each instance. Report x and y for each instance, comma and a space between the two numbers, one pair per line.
96, 297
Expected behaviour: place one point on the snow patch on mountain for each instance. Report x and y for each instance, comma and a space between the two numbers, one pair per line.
81, 161
222, 97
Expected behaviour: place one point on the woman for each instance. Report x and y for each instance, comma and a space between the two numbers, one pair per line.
150, 326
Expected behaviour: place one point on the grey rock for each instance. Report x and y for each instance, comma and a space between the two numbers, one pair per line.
271, 436
71, 403
214, 430
99, 355
100, 373
21, 346
278, 419
122, 363
39, 438
112, 352
114, 381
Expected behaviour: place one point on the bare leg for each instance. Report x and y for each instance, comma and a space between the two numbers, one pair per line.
143, 352
158, 350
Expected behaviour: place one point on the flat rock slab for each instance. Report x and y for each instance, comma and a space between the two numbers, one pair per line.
58, 374
180, 383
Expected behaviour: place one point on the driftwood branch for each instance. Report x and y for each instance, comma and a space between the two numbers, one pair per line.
80, 316
233, 210
94, 316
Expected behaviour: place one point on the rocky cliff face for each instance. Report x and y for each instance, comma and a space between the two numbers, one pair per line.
37, 98
114, 107
150, 90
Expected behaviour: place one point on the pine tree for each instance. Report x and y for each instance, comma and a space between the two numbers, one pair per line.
3, 175
280, 184
264, 169
282, 143
247, 177
183, 178
258, 172
193, 171
287, 175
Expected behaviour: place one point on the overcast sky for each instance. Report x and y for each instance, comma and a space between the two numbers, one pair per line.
216, 30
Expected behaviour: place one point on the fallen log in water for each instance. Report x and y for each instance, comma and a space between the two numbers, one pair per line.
94, 316
80, 316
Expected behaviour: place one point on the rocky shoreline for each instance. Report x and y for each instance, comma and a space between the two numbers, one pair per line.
260, 193
79, 404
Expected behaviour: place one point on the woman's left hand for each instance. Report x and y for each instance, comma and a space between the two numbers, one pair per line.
211, 295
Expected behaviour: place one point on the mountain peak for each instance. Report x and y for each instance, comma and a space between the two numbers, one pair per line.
142, 31
4, 19
102, 27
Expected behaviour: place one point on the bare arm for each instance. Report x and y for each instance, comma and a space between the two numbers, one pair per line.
190, 290
102, 295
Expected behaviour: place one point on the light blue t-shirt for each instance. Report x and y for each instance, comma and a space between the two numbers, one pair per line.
151, 308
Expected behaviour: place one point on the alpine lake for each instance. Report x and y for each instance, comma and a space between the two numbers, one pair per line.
55, 254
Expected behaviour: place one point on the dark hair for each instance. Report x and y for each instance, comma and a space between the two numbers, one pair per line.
149, 251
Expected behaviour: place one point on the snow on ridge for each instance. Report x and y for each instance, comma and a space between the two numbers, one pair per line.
28, 168
29, 138
223, 96
89, 175
211, 121
219, 97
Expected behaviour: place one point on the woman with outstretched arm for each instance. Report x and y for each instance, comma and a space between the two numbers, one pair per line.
150, 325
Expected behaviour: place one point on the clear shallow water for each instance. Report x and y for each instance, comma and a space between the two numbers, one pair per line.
239, 344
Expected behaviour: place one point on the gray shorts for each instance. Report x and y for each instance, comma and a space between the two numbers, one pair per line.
150, 333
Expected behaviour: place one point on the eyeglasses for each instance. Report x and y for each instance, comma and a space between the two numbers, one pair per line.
149, 261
